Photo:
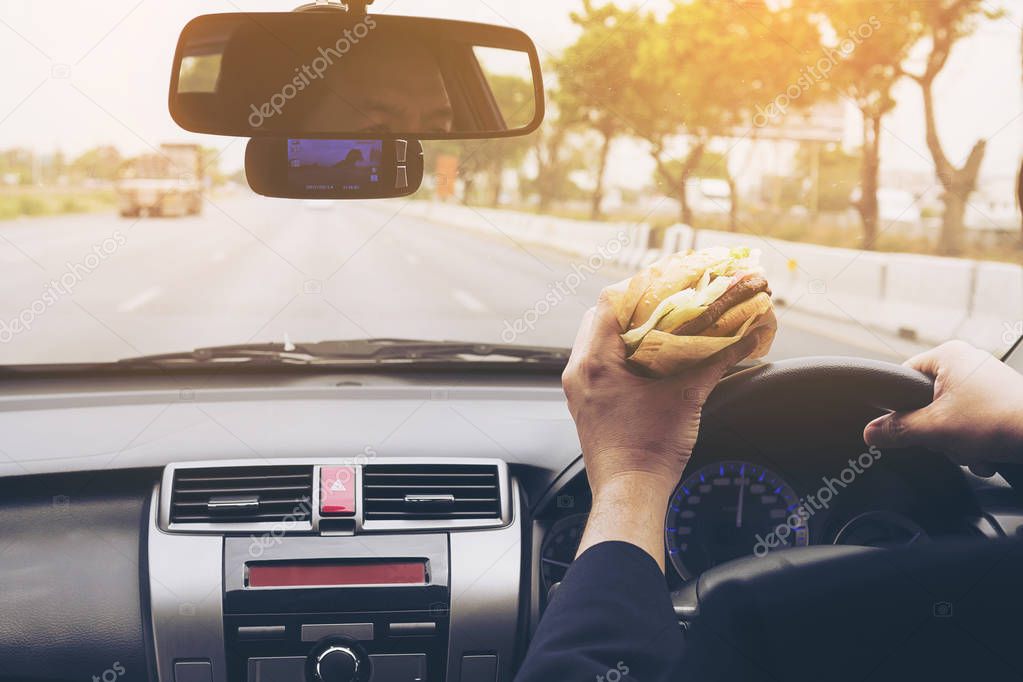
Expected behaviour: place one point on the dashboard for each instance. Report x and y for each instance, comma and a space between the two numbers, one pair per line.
735, 502
389, 528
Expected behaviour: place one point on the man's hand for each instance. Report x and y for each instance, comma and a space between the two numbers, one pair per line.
637, 433
976, 415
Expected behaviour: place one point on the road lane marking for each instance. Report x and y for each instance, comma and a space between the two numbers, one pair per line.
468, 301
139, 300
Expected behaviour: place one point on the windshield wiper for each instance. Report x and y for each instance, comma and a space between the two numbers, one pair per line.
368, 352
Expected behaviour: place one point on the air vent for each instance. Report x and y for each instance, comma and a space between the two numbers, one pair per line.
242, 494
401, 492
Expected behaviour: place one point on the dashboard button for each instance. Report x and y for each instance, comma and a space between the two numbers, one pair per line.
262, 631
317, 631
412, 629
482, 668
277, 669
337, 491
399, 667
401, 178
193, 671
400, 150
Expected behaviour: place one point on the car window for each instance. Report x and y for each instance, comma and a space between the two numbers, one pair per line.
869, 150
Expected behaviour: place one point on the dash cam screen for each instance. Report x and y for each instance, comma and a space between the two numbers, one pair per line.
331, 165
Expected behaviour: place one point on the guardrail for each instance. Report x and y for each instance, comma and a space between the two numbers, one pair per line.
929, 298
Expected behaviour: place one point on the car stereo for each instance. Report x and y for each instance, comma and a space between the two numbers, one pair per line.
299, 612
330, 570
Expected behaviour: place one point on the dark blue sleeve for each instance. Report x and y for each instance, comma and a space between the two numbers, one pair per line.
611, 619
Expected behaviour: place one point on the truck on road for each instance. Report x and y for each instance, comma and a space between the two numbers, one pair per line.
168, 183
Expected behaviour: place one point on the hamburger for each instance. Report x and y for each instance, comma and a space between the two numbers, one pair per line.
688, 306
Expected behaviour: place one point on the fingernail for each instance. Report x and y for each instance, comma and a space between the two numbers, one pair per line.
874, 427
877, 423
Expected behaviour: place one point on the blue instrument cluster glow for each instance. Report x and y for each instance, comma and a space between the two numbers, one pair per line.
728, 510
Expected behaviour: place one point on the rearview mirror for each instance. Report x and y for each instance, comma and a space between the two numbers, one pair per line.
335, 75
333, 169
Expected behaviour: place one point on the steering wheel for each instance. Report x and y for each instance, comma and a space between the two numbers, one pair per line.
837, 612
881, 385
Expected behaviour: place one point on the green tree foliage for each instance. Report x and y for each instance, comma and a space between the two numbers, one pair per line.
707, 70
871, 39
483, 162
209, 163
558, 154
17, 165
200, 73
98, 163
594, 75
838, 174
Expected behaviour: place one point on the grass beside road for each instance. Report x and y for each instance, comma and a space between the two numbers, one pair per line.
29, 202
1006, 247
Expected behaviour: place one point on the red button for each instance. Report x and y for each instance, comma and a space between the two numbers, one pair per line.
337, 491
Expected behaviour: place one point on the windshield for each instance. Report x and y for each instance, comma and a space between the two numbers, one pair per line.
869, 150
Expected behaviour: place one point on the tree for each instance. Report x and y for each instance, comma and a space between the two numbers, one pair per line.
18, 163
481, 163
209, 165
839, 173
514, 96
556, 154
711, 165
678, 89
98, 163
593, 72
200, 73
873, 38
943, 23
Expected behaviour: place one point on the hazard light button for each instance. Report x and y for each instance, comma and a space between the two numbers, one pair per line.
337, 491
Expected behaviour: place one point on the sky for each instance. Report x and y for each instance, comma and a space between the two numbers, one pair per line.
91, 73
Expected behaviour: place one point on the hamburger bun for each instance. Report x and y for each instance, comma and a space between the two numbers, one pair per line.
688, 306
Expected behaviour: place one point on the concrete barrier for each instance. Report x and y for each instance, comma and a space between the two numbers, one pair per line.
633, 255
676, 238
929, 298
995, 313
926, 296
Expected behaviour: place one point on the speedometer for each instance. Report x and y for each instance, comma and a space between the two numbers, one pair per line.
559, 548
727, 510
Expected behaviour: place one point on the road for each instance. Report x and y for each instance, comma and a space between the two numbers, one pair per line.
98, 287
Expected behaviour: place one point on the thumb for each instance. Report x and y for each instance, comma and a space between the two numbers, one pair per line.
898, 430
732, 355
709, 372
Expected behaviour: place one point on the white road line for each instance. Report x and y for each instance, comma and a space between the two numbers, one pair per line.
468, 301
139, 299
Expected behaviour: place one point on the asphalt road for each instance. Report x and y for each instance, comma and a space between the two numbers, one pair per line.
99, 287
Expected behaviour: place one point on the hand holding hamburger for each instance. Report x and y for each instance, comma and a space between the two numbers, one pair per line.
688, 306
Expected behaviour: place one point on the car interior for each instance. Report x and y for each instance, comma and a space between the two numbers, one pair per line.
403, 509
